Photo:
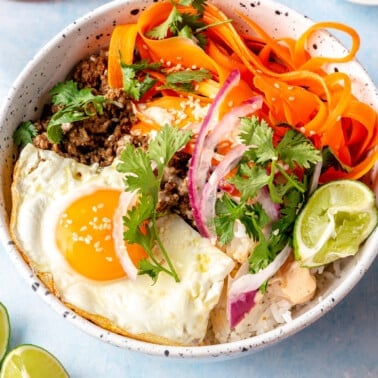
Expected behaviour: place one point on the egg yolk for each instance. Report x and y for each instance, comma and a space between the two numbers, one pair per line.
84, 236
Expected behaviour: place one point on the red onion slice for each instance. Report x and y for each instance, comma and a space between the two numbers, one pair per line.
242, 290
198, 169
126, 200
209, 193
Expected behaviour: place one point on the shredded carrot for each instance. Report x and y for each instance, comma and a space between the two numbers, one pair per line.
121, 45
297, 90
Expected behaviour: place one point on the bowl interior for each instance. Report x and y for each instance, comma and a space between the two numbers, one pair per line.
88, 34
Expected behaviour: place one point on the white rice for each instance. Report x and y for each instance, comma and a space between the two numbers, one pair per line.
269, 312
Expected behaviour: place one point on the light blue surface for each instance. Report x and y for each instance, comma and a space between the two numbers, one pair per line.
344, 343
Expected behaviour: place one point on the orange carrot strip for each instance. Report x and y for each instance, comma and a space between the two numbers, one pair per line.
122, 45
292, 104
356, 172
301, 56
281, 51
175, 50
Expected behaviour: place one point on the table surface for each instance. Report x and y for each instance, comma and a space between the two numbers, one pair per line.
343, 343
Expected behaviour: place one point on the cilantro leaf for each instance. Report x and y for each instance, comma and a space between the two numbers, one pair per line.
183, 80
199, 5
161, 31
75, 105
134, 218
260, 256
253, 217
294, 147
25, 133
259, 137
141, 176
165, 144
227, 212
249, 180
145, 266
181, 23
188, 76
134, 86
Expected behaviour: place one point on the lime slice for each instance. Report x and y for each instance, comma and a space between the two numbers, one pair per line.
337, 218
4, 331
33, 362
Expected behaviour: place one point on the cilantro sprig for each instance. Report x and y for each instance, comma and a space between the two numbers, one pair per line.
271, 167
75, 105
143, 173
185, 24
24, 134
134, 86
185, 80
263, 161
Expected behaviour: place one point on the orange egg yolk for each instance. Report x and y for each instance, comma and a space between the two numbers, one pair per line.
84, 236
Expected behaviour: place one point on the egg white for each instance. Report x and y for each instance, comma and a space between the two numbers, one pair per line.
45, 183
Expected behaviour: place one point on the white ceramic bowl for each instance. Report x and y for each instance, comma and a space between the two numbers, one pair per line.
87, 35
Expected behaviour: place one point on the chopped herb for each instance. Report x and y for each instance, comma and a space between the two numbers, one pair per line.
143, 174
75, 105
266, 165
134, 86
185, 24
184, 80
24, 134
253, 217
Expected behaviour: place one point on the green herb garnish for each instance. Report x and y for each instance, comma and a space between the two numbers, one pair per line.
184, 80
24, 134
134, 86
270, 166
180, 23
75, 105
143, 174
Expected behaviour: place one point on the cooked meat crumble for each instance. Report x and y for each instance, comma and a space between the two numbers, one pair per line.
99, 139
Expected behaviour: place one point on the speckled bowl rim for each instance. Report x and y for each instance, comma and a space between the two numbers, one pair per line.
229, 350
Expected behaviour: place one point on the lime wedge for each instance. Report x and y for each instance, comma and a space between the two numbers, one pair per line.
33, 362
4, 331
337, 218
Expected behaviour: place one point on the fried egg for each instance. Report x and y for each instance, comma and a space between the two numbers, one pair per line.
62, 222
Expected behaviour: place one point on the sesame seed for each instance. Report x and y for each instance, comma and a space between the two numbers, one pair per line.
109, 258
291, 98
276, 85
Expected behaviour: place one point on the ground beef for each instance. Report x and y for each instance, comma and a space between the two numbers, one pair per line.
173, 196
100, 138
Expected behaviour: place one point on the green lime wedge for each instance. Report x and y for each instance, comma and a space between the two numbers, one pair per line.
4, 331
337, 218
33, 362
